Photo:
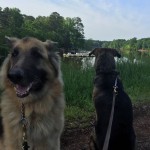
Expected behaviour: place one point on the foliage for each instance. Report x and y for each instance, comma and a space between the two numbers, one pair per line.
130, 46
78, 83
68, 32
135, 76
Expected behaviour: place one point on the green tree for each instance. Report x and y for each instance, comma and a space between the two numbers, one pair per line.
88, 44
73, 33
13, 21
139, 44
55, 27
28, 28
78, 33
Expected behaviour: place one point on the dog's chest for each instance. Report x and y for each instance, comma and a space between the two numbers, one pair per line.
36, 129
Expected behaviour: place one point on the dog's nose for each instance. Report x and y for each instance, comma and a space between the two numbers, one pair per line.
16, 75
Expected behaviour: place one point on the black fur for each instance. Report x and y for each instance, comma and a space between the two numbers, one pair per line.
122, 134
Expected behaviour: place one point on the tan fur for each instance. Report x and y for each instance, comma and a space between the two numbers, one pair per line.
44, 111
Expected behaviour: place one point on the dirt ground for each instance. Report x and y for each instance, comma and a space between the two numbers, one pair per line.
77, 138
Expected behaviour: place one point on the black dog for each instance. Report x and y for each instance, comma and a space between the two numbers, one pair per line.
122, 135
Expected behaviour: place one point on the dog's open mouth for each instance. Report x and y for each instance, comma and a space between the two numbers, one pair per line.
22, 91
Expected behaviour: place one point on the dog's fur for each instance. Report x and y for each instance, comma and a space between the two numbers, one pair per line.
34, 70
122, 134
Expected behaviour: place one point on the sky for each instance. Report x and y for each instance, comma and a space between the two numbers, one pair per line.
102, 19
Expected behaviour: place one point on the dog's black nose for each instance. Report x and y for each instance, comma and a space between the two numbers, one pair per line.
16, 75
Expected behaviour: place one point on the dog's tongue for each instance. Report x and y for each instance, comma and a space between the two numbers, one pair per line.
22, 91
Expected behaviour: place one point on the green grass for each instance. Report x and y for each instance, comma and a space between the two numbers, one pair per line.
79, 85
136, 79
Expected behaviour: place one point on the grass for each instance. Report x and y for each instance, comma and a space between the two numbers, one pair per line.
78, 90
136, 79
79, 85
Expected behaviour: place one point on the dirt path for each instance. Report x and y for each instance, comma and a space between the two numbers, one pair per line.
77, 138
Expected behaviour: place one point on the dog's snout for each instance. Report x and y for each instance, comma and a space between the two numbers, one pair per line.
16, 75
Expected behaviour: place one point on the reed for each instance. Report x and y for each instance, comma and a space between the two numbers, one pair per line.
136, 79
78, 85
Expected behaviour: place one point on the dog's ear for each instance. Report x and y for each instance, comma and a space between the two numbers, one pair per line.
11, 40
52, 56
55, 61
94, 52
50, 44
116, 53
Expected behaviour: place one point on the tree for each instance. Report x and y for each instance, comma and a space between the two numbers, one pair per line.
139, 44
118, 44
88, 44
27, 27
78, 33
133, 43
10, 24
13, 21
74, 33
55, 26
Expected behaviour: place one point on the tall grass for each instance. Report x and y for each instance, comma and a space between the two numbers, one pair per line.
79, 85
136, 79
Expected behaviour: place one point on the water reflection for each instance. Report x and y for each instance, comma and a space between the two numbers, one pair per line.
87, 62
82, 62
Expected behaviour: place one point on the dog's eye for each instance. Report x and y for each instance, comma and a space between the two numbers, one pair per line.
15, 53
35, 52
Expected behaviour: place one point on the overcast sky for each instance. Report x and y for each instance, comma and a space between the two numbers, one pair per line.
102, 19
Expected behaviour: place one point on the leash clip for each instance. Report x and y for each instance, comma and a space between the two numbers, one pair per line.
115, 89
115, 86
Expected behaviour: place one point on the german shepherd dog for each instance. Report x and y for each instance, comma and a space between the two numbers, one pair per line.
31, 78
122, 135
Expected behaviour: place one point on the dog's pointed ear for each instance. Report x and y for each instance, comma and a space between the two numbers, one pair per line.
52, 55
94, 52
11, 40
116, 53
50, 44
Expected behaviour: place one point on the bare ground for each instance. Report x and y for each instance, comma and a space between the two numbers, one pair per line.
77, 138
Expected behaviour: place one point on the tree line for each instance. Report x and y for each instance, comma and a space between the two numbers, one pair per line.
132, 44
68, 32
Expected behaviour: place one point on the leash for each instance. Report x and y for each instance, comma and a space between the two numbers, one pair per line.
24, 122
107, 138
